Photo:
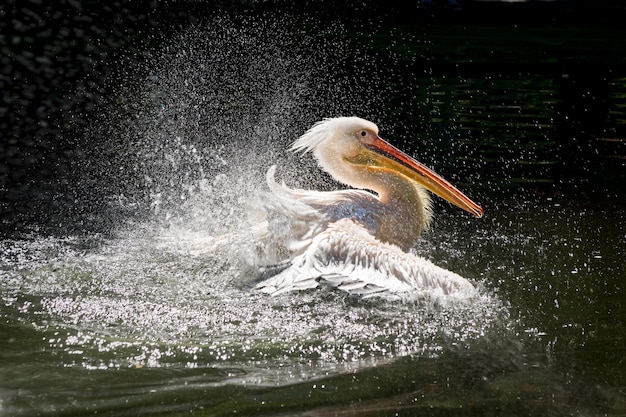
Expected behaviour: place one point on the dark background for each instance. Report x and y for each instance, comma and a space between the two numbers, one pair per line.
60, 63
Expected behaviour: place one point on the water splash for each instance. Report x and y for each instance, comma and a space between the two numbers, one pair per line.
131, 303
189, 151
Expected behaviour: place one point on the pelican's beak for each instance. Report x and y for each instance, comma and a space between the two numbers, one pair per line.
422, 175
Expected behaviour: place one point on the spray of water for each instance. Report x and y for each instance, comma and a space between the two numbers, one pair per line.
218, 106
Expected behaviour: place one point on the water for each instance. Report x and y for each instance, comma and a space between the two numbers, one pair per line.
119, 309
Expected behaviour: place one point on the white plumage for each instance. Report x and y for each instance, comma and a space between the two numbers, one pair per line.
357, 240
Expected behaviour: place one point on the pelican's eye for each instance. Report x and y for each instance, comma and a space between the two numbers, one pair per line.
365, 136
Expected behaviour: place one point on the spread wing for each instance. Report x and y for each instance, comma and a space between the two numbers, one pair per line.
347, 257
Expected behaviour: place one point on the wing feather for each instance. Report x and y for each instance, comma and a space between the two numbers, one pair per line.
347, 257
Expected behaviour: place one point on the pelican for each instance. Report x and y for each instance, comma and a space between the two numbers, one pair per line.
358, 239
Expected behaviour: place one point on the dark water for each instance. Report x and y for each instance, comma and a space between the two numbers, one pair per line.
111, 306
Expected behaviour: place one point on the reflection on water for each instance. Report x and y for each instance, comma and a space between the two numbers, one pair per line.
135, 303
142, 316
481, 109
140, 321
517, 131
498, 128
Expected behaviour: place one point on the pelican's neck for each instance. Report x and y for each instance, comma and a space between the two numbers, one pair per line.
405, 204
406, 208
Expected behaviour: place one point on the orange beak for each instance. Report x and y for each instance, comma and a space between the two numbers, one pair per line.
424, 176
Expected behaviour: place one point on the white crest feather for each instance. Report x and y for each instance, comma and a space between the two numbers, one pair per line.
324, 129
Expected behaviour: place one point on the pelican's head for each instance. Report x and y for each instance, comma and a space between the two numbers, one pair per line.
350, 149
